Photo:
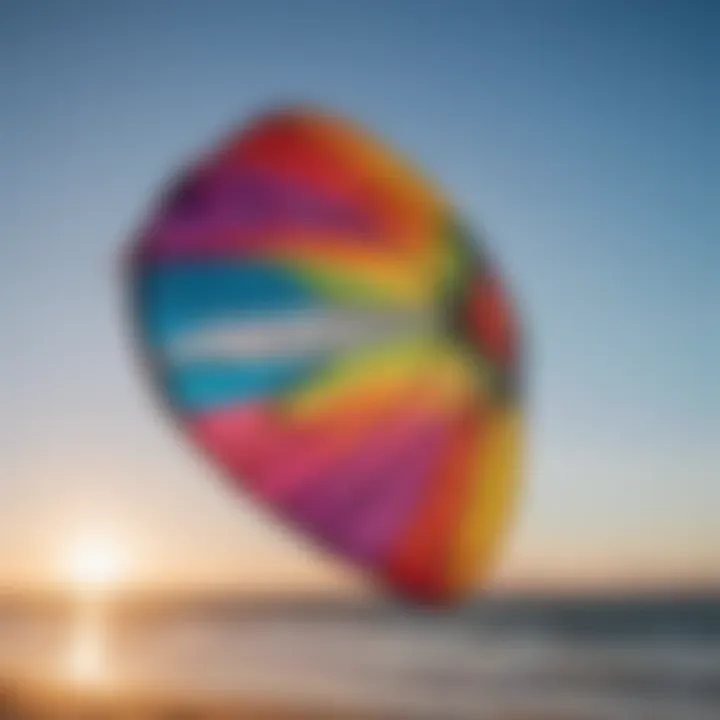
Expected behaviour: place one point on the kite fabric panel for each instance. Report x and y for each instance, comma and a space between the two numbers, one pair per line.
323, 325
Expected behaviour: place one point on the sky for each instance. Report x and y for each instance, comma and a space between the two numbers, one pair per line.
582, 138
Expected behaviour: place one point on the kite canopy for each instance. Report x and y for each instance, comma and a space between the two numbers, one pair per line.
325, 329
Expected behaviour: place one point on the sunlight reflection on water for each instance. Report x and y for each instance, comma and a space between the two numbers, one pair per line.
87, 659
521, 661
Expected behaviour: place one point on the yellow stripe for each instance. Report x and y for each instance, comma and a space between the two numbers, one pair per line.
443, 378
377, 372
360, 282
495, 481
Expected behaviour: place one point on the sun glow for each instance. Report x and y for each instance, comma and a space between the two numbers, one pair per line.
94, 564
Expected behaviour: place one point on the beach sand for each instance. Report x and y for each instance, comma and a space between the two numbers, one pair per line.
22, 700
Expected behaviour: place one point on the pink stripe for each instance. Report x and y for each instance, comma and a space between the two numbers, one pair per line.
385, 443
376, 526
358, 504
393, 463
239, 438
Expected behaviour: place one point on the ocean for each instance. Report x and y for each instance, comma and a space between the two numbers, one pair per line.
502, 658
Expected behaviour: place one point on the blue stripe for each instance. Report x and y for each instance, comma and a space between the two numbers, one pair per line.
176, 299
204, 386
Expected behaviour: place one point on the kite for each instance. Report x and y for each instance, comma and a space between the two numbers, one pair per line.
322, 324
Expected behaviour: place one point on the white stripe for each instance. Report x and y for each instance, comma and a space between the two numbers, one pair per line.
307, 333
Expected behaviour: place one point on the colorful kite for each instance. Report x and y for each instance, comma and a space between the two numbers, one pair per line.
323, 326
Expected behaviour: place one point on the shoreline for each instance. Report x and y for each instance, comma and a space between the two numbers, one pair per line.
35, 700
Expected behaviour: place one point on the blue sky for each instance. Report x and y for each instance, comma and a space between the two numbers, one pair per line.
583, 138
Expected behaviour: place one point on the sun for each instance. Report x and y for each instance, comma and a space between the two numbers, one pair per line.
94, 563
